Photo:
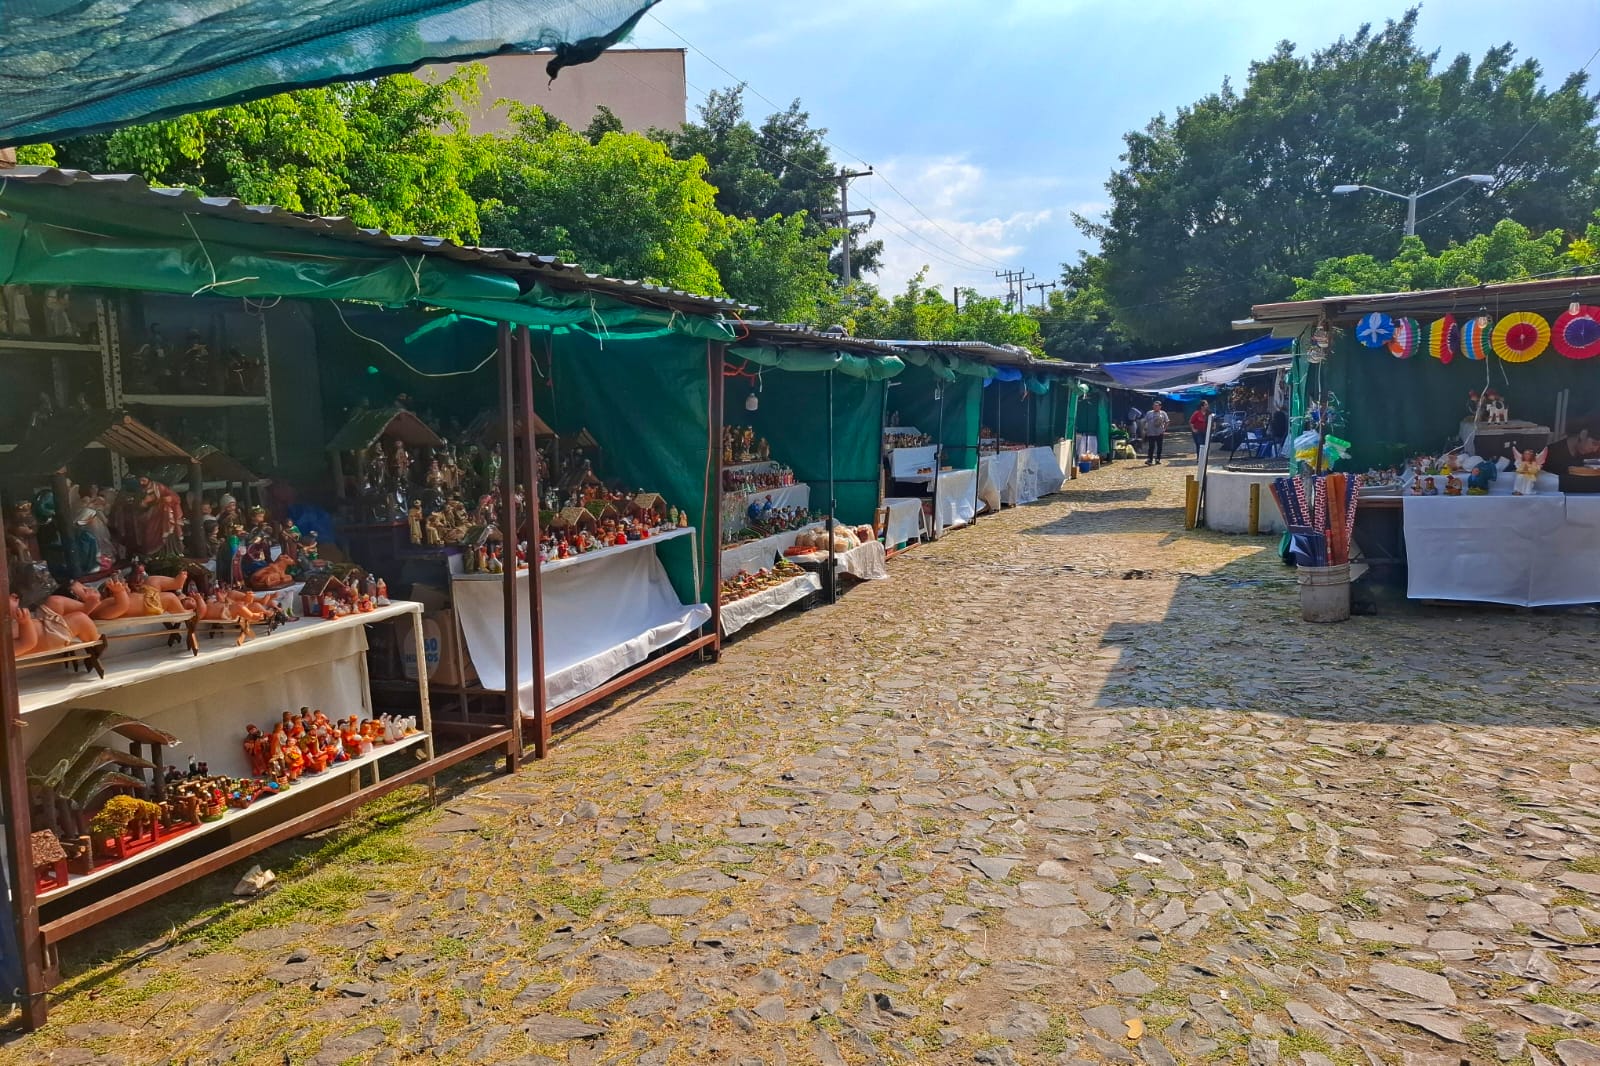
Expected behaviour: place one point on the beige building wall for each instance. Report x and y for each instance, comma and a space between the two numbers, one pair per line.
644, 86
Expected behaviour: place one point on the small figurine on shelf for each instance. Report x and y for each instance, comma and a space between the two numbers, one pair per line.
1429, 486
1527, 468
402, 465
1452, 486
1495, 409
414, 521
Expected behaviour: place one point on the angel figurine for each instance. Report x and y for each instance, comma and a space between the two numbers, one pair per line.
1527, 469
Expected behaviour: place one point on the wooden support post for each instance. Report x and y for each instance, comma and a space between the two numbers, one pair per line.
197, 532
1191, 501
24, 914
1255, 508
508, 522
541, 716
711, 519
63, 517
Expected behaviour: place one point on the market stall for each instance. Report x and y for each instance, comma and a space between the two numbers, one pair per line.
802, 409
214, 618
1475, 426
937, 396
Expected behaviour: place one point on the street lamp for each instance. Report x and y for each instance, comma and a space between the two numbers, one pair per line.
1411, 199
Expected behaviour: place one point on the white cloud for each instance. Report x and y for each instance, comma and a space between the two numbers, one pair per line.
971, 222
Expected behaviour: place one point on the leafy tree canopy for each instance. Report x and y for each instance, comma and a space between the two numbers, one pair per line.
1227, 202
779, 168
921, 313
621, 206
391, 153
1077, 324
1510, 252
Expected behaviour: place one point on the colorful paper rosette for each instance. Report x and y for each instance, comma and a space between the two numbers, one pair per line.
1444, 337
1576, 334
1475, 338
1407, 334
1375, 330
1521, 337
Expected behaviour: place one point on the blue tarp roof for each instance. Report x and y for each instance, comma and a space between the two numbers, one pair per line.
69, 67
1176, 371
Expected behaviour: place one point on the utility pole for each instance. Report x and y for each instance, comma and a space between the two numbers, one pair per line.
1013, 278
844, 215
1022, 289
1042, 286
955, 291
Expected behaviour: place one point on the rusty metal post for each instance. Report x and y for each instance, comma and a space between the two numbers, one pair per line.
19, 827
541, 718
508, 521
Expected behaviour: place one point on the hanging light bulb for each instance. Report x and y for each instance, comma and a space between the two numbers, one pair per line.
752, 402
1575, 306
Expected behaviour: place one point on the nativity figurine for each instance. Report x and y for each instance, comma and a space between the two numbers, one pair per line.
1527, 469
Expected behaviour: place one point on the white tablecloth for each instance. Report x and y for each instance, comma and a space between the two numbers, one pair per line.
758, 554
957, 505
1038, 474
912, 464
1530, 551
997, 475
904, 523
603, 614
740, 613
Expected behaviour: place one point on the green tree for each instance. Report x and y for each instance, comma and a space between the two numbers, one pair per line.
605, 121
780, 168
921, 313
1510, 252
1227, 202
621, 206
779, 266
391, 153
1077, 323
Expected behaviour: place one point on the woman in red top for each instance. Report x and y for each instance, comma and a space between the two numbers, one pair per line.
1197, 424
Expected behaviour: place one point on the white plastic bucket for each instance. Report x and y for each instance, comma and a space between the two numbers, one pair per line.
1324, 592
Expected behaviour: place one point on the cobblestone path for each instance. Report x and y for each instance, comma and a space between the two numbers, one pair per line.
1073, 787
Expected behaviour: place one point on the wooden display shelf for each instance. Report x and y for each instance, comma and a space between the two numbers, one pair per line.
38, 693
182, 399
588, 557
18, 344
179, 837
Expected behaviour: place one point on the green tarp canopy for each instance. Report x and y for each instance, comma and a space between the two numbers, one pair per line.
68, 228
68, 68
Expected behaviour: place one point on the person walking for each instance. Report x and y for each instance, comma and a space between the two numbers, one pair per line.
1198, 422
1155, 428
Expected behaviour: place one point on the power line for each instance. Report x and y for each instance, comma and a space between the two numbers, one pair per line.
827, 140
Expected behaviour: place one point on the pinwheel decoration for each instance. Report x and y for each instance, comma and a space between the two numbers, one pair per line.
1375, 330
1576, 334
1407, 333
1475, 338
1443, 338
1521, 337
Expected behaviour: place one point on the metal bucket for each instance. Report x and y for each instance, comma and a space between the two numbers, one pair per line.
1324, 592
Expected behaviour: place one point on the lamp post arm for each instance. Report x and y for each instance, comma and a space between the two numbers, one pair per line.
1446, 185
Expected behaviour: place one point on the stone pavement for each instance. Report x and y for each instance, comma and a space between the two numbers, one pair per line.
1074, 787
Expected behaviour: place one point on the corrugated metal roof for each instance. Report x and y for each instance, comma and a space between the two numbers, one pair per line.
365, 427
51, 447
994, 355
546, 268
787, 335
1548, 291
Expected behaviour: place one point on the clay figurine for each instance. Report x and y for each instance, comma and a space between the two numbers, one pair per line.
1527, 468
1452, 486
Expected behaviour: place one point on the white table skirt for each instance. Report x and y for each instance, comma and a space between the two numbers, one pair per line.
1038, 474
758, 554
1530, 551
913, 463
904, 522
868, 562
740, 613
957, 504
997, 477
601, 618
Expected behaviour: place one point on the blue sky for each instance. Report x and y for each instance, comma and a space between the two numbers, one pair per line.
999, 118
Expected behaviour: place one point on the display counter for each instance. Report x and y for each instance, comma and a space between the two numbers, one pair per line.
737, 614
913, 464
759, 554
997, 475
903, 521
957, 505
1039, 474
1529, 551
604, 612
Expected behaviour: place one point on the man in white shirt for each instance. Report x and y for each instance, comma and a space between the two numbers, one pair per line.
1155, 428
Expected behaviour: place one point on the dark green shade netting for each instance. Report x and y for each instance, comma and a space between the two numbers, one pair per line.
69, 67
